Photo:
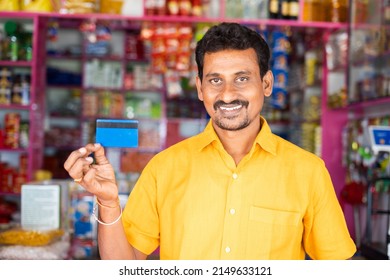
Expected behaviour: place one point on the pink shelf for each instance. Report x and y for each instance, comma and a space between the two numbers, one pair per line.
363, 104
63, 56
9, 194
181, 19
38, 74
20, 150
369, 103
105, 57
15, 107
64, 86
16, 63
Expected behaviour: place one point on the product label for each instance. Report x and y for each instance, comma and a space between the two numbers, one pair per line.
273, 6
294, 9
387, 14
285, 8
14, 51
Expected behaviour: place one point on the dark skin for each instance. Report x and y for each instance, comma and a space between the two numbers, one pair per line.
233, 94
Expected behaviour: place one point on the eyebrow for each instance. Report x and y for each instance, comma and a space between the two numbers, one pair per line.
243, 72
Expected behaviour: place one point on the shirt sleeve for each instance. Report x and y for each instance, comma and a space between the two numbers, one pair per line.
326, 234
140, 216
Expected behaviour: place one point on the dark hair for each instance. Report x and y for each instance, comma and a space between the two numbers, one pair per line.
234, 36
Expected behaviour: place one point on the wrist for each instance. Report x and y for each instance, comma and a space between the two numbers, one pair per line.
108, 203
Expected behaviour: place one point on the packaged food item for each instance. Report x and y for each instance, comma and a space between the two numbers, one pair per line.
40, 5
133, 8
20, 236
313, 10
12, 130
81, 210
279, 66
9, 5
111, 6
338, 10
79, 6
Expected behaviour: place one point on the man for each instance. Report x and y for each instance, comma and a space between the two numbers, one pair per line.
235, 191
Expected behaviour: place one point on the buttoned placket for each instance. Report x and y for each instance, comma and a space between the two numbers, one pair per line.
231, 227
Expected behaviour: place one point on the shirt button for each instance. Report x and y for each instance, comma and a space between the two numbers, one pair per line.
235, 176
232, 211
227, 249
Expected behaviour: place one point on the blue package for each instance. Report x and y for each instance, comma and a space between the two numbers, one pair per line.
117, 133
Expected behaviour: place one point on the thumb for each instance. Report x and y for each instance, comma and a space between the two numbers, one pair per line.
100, 156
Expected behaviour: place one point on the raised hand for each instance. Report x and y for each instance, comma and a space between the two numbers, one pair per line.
96, 177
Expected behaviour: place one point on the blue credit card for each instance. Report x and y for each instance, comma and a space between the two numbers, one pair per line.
114, 133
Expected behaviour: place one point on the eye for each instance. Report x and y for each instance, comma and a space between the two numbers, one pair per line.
215, 81
242, 79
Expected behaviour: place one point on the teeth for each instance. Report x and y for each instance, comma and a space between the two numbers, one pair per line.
231, 108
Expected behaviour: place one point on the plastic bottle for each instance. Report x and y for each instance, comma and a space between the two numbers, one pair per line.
255, 9
25, 88
284, 9
11, 29
313, 10
274, 9
338, 10
293, 9
26, 46
386, 11
1, 45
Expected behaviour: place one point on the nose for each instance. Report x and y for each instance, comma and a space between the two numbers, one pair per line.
228, 93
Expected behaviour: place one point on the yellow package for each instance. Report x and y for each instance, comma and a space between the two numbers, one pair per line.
29, 237
79, 6
40, 5
111, 6
9, 5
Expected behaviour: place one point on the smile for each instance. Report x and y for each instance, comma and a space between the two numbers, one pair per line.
237, 107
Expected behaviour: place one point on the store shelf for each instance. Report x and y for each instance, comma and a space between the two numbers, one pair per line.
14, 107
369, 103
30, 113
15, 63
129, 20
122, 24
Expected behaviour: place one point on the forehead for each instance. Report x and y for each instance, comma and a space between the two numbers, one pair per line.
231, 61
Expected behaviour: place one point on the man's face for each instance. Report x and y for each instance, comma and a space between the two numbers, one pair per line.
232, 90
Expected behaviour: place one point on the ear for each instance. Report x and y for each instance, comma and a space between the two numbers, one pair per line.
199, 88
268, 83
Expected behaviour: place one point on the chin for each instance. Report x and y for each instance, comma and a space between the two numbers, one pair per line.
231, 125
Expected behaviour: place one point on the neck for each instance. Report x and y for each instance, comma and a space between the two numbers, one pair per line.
238, 143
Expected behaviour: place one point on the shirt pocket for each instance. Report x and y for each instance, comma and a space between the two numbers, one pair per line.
273, 234
275, 217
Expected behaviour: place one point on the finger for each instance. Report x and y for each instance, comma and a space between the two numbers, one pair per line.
100, 155
73, 157
80, 167
89, 181
94, 186
91, 184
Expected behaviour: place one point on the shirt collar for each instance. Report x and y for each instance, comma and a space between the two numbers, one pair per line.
265, 139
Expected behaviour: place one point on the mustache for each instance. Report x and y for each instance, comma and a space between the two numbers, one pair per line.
220, 103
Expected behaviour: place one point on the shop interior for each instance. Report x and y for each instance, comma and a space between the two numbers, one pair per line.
65, 64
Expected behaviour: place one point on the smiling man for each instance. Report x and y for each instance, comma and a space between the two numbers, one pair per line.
234, 191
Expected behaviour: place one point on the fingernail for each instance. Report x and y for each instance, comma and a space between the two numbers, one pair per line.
97, 145
82, 150
89, 159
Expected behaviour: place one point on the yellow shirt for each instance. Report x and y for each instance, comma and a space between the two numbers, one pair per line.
195, 203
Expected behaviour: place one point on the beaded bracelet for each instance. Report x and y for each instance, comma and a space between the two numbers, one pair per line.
101, 222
